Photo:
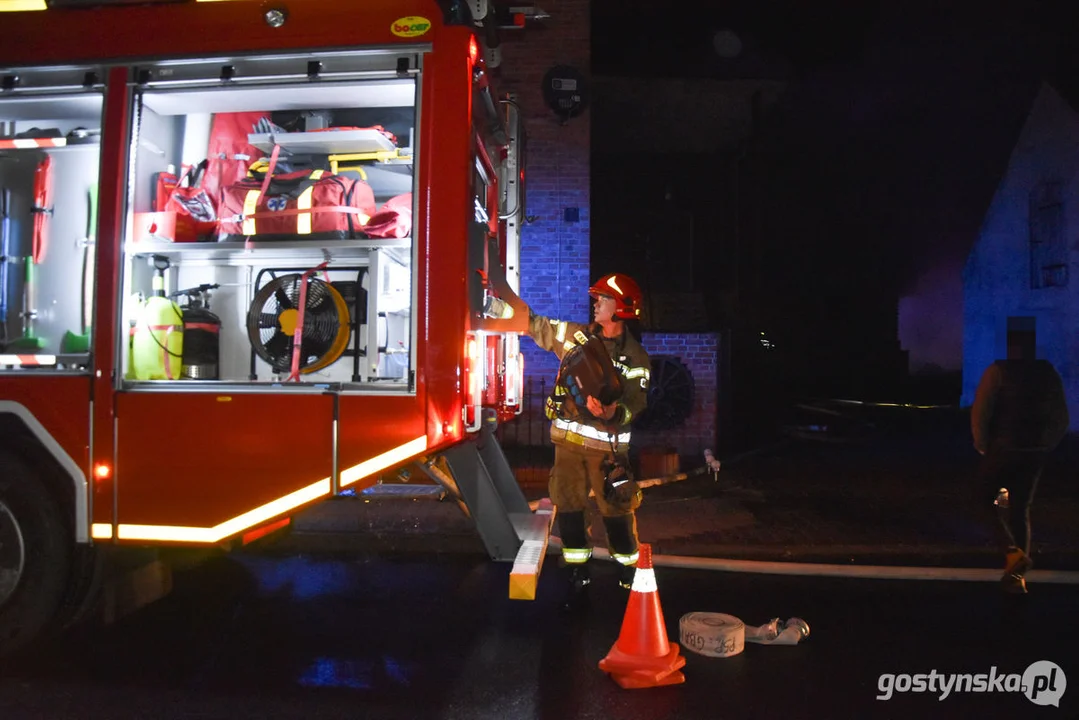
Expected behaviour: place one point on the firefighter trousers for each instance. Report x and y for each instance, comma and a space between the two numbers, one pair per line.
575, 472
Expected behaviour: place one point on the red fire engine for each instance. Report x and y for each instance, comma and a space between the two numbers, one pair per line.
247, 249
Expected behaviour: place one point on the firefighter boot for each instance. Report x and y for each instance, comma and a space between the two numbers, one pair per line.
625, 576
576, 551
580, 577
622, 540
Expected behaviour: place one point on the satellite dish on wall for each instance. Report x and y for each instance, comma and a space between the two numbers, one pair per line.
565, 91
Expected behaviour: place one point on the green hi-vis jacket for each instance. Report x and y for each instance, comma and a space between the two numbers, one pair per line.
572, 425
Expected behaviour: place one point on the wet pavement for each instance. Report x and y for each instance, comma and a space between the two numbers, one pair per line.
390, 608
279, 635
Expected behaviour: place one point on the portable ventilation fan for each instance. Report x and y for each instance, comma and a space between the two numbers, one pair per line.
274, 315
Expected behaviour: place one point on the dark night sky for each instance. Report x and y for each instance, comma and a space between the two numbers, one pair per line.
898, 118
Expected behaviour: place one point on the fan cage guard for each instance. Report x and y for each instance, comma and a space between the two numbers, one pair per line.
272, 317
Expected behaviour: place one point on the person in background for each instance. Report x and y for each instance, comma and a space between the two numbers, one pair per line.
592, 442
1019, 416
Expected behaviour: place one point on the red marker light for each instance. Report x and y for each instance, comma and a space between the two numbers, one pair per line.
473, 49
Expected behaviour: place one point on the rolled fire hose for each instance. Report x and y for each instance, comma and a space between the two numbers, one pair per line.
720, 635
712, 634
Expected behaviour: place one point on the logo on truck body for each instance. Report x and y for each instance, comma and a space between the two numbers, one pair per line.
411, 26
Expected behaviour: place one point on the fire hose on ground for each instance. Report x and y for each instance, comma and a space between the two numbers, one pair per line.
879, 572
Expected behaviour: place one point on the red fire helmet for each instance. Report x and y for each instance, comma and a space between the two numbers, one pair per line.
624, 290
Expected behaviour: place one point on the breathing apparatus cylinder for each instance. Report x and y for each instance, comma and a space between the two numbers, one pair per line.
158, 340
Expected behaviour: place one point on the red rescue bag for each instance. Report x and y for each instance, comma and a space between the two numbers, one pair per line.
306, 204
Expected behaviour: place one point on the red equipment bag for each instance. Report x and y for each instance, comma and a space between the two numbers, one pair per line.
196, 216
229, 153
163, 185
393, 219
306, 204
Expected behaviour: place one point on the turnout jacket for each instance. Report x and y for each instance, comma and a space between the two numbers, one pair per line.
573, 425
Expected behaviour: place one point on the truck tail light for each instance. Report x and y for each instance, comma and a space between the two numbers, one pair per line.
512, 379
474, 376
492, 365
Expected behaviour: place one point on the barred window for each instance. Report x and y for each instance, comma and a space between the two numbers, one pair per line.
1048, 249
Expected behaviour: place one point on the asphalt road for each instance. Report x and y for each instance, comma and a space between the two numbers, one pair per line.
279, 634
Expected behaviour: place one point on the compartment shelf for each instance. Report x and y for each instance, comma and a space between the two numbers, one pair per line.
329, 142
260, 253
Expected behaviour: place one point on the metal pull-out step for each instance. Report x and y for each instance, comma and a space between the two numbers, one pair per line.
510, 530
534, 529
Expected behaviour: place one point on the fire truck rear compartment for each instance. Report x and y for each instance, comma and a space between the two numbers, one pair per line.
372, 276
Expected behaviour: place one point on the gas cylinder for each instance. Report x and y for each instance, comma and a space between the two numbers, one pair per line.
158, 340
202, 335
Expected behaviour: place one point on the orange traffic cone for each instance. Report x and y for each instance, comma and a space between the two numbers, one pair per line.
642, 657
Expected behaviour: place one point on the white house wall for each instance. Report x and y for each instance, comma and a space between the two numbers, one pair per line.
996, 279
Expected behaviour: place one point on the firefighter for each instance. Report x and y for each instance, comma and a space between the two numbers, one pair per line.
592, 442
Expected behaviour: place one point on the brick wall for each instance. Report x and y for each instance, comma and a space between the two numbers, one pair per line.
554, 252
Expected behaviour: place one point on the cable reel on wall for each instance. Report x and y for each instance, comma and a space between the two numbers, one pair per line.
670, 395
